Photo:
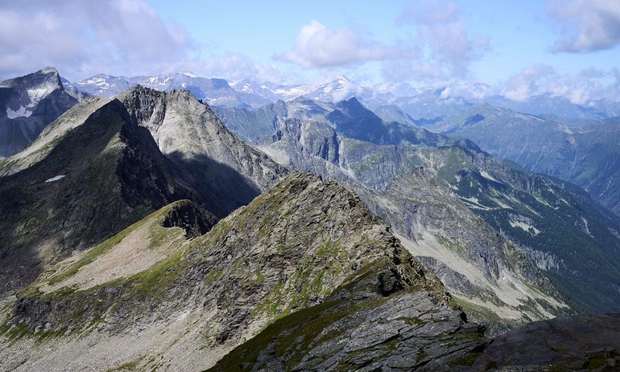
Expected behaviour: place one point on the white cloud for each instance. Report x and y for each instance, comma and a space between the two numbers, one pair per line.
582, 88
443, 31
317, 46
88, 37
522, 85
588, 25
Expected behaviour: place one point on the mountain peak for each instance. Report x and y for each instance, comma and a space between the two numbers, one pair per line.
47, 78
49, 69
353, 108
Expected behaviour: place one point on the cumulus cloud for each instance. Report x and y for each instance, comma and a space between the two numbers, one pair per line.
587, 25
87, 37
317, 46
582, 88
443, 31
522, 85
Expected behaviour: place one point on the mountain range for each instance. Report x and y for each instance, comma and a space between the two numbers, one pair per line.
139, 232
419, 103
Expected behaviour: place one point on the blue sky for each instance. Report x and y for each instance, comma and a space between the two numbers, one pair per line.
567, 47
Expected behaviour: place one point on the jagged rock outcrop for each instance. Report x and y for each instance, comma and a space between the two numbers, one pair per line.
303, 253
27, 105
187, 216
207, 155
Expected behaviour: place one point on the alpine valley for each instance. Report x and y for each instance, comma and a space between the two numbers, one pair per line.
183, 223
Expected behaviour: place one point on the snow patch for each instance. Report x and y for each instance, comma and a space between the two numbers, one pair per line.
489, 177
21, 112
525, 227
35, 96
56, 178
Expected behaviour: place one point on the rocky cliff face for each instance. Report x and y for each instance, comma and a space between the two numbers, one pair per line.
27, 105
206, 154
305, 257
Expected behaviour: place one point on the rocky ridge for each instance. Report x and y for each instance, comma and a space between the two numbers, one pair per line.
304, 247
396, 183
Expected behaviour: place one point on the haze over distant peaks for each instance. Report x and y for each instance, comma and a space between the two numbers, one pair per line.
424, 103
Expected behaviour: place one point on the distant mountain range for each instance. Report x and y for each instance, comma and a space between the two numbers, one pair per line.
418, 103
588, 156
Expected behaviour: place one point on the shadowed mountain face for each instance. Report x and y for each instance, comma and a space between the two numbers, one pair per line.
207, 156
95, 180
27, 105
105, 171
